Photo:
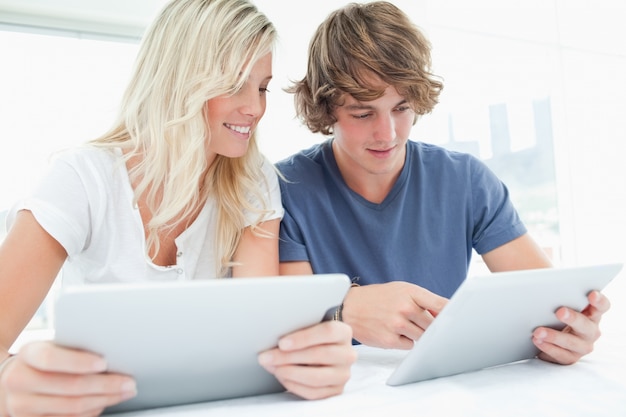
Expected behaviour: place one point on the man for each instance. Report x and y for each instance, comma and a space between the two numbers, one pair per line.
399, 217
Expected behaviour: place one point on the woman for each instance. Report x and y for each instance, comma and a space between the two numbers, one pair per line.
178, 181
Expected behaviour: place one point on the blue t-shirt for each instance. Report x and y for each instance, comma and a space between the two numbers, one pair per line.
442, 205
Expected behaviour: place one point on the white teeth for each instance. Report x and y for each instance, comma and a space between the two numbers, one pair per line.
239, 129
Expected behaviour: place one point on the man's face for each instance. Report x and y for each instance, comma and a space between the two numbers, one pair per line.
370, 137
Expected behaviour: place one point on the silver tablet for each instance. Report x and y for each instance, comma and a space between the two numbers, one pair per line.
193, 341
489, 320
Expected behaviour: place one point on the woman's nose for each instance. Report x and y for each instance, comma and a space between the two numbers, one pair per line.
252, 102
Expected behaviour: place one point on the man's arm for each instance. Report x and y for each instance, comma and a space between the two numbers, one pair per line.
520, 253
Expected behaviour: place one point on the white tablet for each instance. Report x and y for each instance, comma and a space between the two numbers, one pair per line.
489, 320
193, 341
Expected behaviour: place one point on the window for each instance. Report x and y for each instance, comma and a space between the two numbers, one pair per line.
497, 105
56, 91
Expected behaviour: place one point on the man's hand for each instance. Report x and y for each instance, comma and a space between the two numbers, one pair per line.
582, 329
390, 315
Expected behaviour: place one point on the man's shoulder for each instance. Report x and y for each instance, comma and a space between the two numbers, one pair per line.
304, 162
438, 150
428, 152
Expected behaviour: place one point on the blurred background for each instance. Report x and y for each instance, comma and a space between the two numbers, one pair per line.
536, 89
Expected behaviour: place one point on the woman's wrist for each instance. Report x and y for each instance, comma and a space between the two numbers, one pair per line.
5, 362
3, 411
338, 316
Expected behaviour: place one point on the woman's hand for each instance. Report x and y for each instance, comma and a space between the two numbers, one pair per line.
46, 379
315, 362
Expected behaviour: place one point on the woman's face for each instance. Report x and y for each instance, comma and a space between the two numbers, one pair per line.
233, 118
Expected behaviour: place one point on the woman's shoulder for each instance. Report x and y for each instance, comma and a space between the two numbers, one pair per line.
88, 153
89, 157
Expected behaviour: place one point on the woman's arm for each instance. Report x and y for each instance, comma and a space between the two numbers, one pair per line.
257, 254
30, 260
44, 379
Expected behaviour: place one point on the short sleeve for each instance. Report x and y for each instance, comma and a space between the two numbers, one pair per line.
60, 205
271, 196
495, 219
291, 243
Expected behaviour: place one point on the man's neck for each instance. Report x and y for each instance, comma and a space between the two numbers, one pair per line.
372, 186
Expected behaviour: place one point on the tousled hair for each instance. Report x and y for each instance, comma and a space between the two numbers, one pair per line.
355, 47
195, 50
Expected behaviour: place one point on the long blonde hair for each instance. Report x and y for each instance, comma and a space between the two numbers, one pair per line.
195, 50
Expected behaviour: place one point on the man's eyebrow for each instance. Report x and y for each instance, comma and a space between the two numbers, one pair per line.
364, 106
359, 106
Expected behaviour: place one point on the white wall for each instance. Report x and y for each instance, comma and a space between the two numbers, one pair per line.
570, 49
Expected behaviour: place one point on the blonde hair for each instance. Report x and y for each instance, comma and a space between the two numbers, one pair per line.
355, 43
195, 50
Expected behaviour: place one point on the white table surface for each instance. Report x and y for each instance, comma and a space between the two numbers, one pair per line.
595, 386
